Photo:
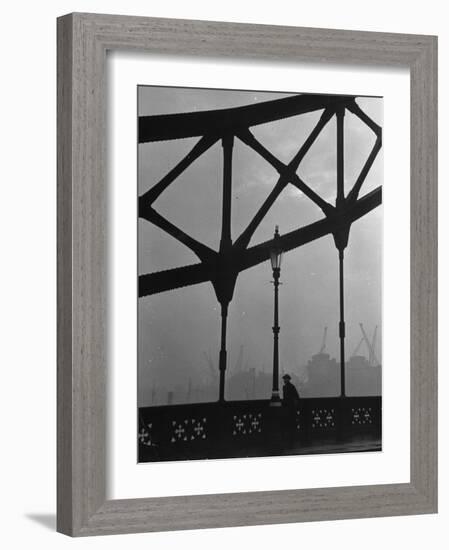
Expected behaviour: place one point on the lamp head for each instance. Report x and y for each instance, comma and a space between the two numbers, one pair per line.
276, 250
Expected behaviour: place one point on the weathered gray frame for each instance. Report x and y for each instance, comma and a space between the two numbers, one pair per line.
83, 40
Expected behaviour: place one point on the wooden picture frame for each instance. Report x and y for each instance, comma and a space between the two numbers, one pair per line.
83, 40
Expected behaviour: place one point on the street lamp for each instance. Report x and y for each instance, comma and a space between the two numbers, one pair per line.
276, 258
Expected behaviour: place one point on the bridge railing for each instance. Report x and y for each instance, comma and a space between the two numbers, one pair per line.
252, 428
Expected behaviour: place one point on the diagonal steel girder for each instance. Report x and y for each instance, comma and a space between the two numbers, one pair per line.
224, 121
237, 260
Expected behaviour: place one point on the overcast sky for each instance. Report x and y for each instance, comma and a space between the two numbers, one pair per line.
177, 327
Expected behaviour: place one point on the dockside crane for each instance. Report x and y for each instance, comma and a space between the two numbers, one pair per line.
354, 353
373, 347
323, 343
372, 358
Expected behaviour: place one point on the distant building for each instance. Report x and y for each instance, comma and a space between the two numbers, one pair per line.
323, 374
323, 377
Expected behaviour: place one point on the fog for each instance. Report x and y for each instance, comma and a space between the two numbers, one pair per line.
179, 330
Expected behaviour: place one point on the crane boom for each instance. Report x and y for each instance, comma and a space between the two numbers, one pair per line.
323, 344
358, 347
372, 359
375, 361
367, 342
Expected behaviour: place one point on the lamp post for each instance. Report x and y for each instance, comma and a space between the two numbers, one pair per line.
276, 258
341, 241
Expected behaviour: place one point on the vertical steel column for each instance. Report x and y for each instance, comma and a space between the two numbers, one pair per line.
342, 329
341, 242
225, 242
223, 352
225, 245
340, 157
275, 399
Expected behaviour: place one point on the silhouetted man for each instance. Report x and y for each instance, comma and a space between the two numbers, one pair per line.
289, 392
290, 402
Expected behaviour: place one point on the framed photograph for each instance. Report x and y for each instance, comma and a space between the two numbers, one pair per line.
246, 274
195, 402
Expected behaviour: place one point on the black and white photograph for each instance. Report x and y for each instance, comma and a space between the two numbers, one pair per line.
259, 273
223, 238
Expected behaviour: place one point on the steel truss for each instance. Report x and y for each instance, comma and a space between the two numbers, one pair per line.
221, 267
